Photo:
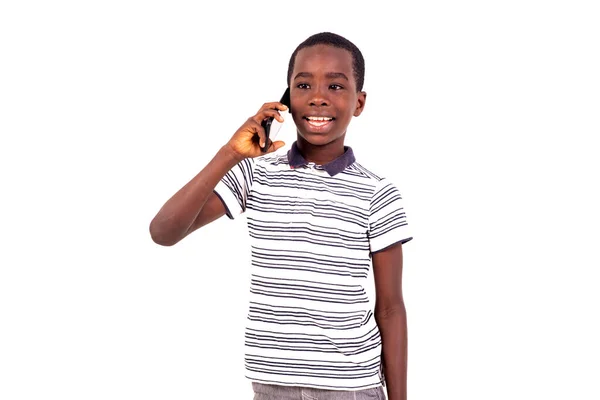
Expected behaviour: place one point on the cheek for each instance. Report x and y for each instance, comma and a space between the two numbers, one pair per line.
296, 118
348, 110
295, 102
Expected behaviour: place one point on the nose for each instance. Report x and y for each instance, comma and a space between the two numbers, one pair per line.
318, 98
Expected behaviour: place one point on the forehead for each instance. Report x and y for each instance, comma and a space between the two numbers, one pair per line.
323, 58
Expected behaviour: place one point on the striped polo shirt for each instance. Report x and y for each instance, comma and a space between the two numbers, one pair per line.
312, 231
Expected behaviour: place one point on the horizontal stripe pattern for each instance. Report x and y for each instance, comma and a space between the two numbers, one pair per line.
307, 290
310, 320
308, 316
319, 343
315, 263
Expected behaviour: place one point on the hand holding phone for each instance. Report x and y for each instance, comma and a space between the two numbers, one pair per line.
271, 125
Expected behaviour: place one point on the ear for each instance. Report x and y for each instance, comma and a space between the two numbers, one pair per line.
360, 103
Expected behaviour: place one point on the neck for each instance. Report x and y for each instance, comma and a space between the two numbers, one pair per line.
321, 154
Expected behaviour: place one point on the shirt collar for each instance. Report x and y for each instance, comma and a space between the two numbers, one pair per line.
333, 167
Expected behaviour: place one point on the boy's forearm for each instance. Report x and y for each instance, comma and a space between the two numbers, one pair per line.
393, 329
177, 215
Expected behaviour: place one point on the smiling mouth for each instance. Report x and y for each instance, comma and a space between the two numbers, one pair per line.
318, 122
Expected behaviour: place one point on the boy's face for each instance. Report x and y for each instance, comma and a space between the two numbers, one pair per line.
323, 94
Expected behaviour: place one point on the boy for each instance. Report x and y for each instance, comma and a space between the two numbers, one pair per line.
317, 221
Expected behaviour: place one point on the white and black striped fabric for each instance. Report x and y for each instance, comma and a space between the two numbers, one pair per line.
313, 229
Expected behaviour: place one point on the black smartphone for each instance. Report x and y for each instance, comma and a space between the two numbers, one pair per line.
271, 125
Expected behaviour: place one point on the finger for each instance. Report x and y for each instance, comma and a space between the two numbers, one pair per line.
275, 105
259, 134
252, 130
266, 114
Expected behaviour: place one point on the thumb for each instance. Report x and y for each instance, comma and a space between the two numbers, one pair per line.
276, 146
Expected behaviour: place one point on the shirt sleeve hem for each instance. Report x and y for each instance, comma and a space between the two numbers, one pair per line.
380, 245
232, 207
227, 212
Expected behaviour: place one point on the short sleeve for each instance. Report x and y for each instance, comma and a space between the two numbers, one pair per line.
235, 186
387, 217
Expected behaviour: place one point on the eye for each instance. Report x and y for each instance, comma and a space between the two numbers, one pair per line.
303, 86
335, 86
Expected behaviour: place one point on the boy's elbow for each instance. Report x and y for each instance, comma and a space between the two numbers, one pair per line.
161, 241
395, 309
160, 235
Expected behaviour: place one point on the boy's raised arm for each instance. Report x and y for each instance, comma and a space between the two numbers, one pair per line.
195, 204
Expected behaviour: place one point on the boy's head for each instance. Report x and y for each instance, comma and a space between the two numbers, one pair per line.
325, 77
333, 40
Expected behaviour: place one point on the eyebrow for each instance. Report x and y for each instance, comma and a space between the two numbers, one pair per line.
330, 75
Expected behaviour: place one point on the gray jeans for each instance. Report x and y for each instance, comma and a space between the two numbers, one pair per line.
275, 392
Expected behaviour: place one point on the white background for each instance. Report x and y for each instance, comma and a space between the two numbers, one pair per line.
485, 114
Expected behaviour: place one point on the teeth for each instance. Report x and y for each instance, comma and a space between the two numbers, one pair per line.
319, 118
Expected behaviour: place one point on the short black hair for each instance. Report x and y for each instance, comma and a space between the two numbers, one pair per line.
332, 39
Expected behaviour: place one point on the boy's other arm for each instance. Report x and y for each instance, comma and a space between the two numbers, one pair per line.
195, 204
390, 315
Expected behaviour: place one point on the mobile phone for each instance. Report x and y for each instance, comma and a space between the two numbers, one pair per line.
271, 125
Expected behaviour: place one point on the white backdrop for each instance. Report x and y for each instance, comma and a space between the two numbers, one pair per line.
483, 113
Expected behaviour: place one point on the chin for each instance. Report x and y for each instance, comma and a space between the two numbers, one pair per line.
317, 139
